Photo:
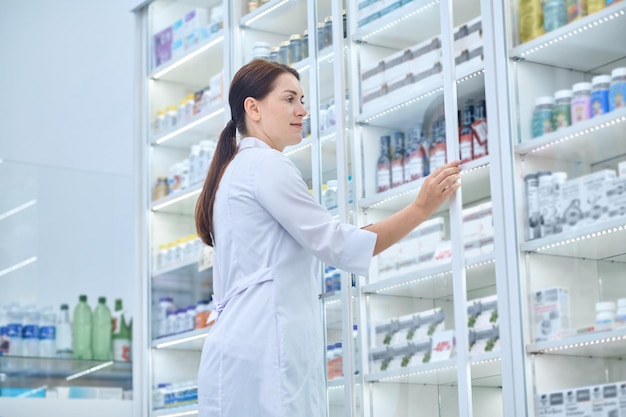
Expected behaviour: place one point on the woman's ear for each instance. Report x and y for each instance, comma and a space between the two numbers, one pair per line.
251, 107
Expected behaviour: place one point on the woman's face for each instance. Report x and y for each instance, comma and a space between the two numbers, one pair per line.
278, 119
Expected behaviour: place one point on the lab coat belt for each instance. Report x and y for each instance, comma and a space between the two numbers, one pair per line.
262, 275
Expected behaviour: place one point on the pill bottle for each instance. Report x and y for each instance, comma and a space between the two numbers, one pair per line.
617, 90
562, 111
542, 116
581, 102
295, 49
600, 95
283, 52
261, 50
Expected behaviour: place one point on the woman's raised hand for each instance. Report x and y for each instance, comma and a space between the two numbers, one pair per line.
437, 187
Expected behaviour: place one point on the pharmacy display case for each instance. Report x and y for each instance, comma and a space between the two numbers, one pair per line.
565, 181
429, 307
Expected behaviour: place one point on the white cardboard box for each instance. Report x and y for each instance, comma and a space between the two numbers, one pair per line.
594, 200
616, 197
578, 402
551, 313
569, 204
483, 312
551, 404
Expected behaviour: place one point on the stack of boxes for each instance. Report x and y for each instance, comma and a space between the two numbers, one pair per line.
483, 324
606, 400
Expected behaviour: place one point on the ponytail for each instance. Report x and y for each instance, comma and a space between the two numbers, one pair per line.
224, 153
255, 79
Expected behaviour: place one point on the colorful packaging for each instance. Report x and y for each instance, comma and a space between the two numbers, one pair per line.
530, 20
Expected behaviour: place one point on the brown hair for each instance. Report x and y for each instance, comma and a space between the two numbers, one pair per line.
256, 79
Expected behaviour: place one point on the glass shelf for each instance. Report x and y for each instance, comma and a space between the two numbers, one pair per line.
186, 268
60, 368
474, 177
187, 67
581, 142
196, 130
193, 340
182, 202
581, 45
183, 410
436, 281
413, 99
599, 241
290, 13
603, 344
434, 373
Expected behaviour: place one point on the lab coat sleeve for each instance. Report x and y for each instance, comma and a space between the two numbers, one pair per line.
281, 191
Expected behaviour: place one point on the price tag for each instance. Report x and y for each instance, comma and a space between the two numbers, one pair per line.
443, 343
206, 259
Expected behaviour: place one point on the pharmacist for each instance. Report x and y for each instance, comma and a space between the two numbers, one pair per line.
264, 355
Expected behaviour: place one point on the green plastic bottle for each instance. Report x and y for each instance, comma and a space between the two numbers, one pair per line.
122, 334
81, 329
101, 335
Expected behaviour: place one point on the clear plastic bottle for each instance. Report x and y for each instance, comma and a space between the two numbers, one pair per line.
30, 332
82, 324
47, 333
101, 334
64, 333
14, 330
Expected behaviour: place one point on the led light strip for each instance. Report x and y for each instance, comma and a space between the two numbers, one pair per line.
330, 136
485, 361
265, 12
335, 387
304, 68
433, 276
331, 302
179, 341
579, 238
189, 126
328, 57
574, 32
580, 133
188, 57
406, 103
181, 414
581, 344
430, 371
89, 371
469, 77
176, 200
474, 169
401, 19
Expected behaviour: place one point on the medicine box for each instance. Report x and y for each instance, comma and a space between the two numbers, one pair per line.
387, 261
477, 222
425, 55
621, 169
610, 404
551, 313
578, 402
468, 36
569, 204
594, 201
482, 312
551, 404
195, 27
484, 339
597, 401
416, 353
162, 47
621, 395
616, 197
381, 358
443, 346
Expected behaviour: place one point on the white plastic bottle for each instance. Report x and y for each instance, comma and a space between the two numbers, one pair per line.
184, 174
194, 154
166, 307
47, 333
30, 332
330, 195
64, 333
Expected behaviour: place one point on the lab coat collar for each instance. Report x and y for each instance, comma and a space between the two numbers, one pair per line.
252, 142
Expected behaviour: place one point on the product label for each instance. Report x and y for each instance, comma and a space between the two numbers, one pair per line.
383, 177
14, 330
542, 122
617, 95
480, 139
416, 165
581, 109
562, 115
438, 156
30, 331
465, 145
599, 102
397, 172
532, 204
47, 333
121, 350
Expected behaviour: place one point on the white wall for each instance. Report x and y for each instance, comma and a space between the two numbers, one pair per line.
67, 110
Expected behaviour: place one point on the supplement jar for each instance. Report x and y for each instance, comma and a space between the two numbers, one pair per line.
581, 102
562, 111
617, 91
542, 116
283, 53
600, 95
554, 14
261, 50
605, 313
295, 49
305, 45
328, 31
274, 54
320, 36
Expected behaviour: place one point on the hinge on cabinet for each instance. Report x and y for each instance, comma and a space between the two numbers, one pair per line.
365, 211
518, 58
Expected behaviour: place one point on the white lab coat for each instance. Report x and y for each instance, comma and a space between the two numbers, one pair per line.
264, 355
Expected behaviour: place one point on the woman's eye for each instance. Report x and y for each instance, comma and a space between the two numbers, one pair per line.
290, 100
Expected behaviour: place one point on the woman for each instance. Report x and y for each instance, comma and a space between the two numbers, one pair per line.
263, 357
